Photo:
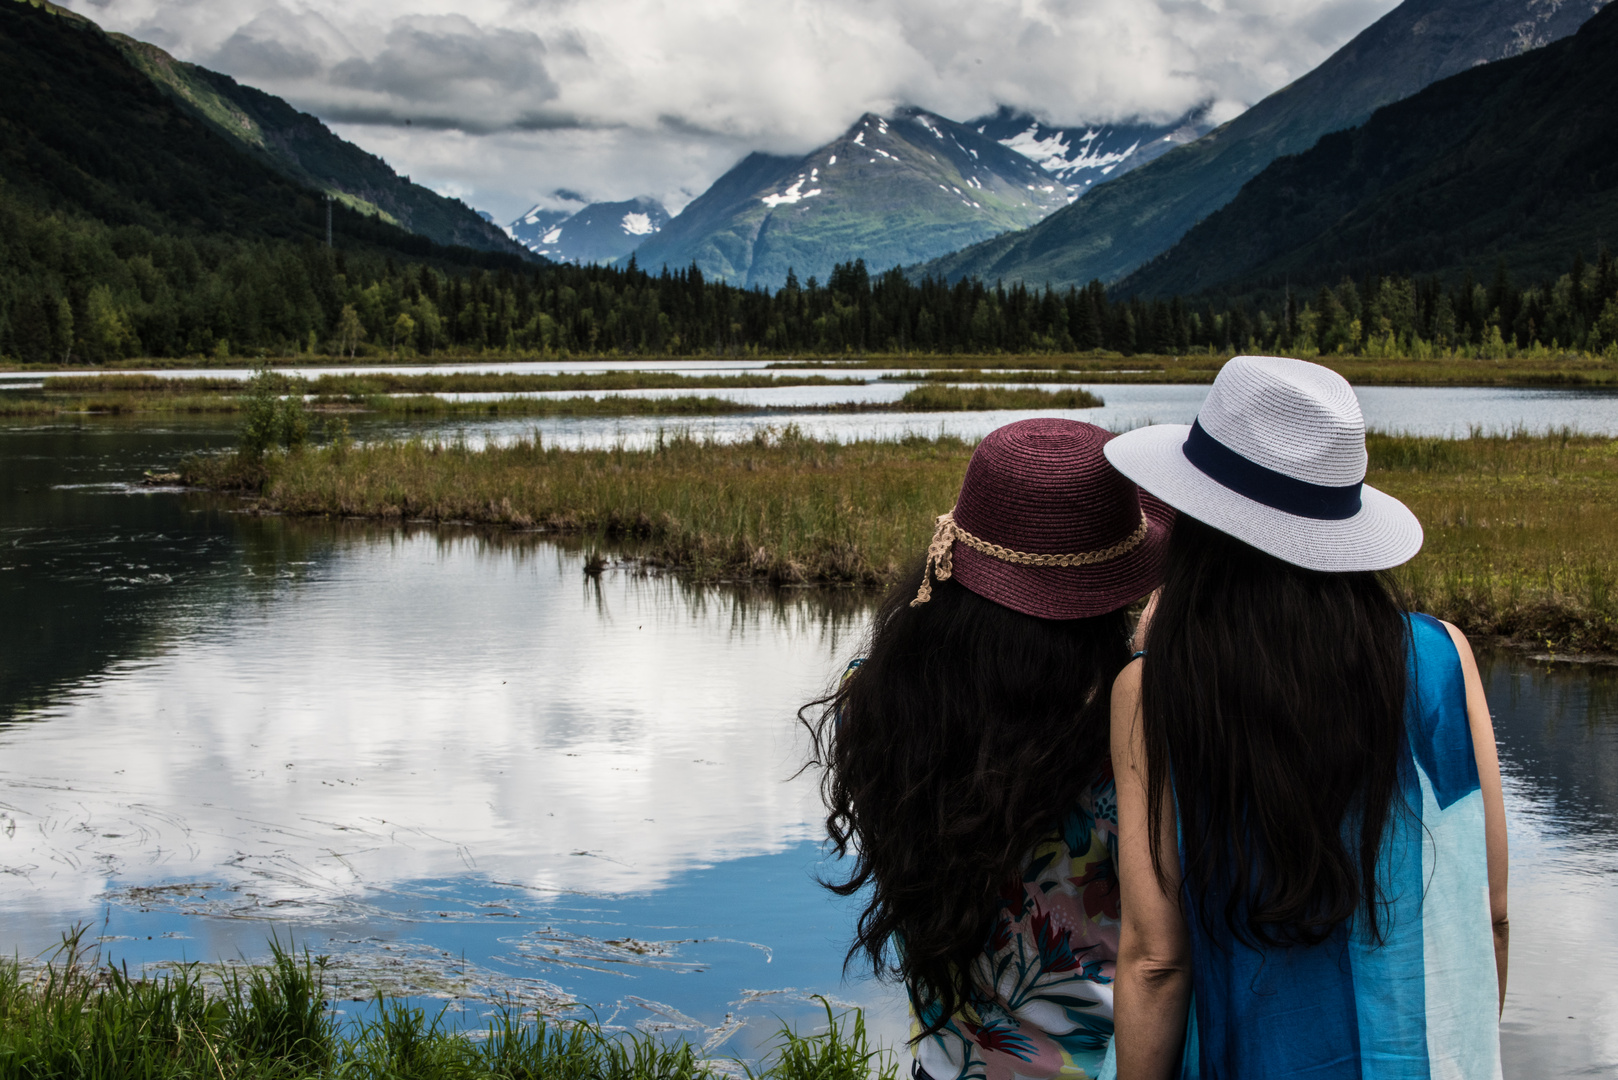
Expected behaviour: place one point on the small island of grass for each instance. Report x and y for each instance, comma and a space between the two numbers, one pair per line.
1522, 530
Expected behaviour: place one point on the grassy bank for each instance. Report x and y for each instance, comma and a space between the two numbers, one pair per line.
1522, 532
452, 382
1530, 367
73, 1021
960, 399
418, 395
1538, 369
412, 405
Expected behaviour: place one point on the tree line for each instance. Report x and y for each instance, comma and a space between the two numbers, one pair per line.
77, 290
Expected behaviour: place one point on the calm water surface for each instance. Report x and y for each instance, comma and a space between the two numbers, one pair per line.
1433, 411
463, 769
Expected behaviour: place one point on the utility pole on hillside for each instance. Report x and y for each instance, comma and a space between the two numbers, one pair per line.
328, 221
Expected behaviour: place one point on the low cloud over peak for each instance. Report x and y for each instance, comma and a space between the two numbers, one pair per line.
502, 100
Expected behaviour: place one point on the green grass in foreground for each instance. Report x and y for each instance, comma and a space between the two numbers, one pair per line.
1522, 531
73, 1021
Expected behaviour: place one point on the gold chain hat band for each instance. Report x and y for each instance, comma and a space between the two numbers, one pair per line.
940, 561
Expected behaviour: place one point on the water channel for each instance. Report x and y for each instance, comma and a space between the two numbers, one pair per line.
462, 769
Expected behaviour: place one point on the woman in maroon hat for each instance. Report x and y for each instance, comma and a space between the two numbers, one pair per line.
966, 759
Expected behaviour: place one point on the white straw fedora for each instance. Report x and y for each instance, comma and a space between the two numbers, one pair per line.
1276, 458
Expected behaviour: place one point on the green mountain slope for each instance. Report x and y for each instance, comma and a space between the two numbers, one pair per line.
1516, 161
81, 130
890, 190
307, 151
1121, 224
299, 146
84, 132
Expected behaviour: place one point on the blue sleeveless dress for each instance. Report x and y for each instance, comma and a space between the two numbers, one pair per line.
1423, 1004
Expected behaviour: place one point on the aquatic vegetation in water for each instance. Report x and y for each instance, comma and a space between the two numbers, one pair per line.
74, 1018
976, 398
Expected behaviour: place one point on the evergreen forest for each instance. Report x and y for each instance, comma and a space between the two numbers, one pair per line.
75, 290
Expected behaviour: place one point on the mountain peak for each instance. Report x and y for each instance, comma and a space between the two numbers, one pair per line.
601, 232
889, 189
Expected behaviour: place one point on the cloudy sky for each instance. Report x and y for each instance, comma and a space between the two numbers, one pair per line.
503, 102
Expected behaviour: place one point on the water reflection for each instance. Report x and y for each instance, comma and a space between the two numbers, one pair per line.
365, 707
1557, 726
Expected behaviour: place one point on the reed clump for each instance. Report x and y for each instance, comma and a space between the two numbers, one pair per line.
932, 398
75, 1020
779, 507
1521, 530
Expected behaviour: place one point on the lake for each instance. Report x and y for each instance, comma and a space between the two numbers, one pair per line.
463, 769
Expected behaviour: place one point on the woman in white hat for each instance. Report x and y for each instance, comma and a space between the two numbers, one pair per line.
1312, 842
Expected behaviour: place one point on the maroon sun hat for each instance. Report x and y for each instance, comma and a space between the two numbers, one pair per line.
1046, 526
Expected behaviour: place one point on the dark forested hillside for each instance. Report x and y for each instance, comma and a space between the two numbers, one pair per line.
82, 130
1515, 161
128, 224
306, 151
1125, 222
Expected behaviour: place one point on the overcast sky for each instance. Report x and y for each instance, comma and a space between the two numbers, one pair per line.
502, 102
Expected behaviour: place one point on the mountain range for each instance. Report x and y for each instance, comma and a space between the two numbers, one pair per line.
891, 189
1125, 222
602, 232
1515, 161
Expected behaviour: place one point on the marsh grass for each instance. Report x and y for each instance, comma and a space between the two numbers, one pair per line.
452, 382
779, 507
1551, 369
610, 405
418, 395
1522, 531
78, 1020
403, 394
980, 398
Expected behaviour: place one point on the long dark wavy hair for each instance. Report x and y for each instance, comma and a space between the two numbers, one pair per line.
1273, 713
966, 736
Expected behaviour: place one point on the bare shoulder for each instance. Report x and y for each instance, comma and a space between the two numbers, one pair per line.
1126, 687
1469, 662
1125, 711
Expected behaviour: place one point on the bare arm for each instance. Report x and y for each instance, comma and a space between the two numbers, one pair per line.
1494, 802
1152, 990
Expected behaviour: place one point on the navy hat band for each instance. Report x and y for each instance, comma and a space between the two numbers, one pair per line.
1264, 485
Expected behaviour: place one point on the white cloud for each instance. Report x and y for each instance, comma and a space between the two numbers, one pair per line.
509, 99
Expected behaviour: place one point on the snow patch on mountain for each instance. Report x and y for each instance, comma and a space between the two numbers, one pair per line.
1083, 155
793, 194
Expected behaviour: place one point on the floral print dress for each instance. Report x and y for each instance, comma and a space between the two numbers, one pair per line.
1043, 1006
